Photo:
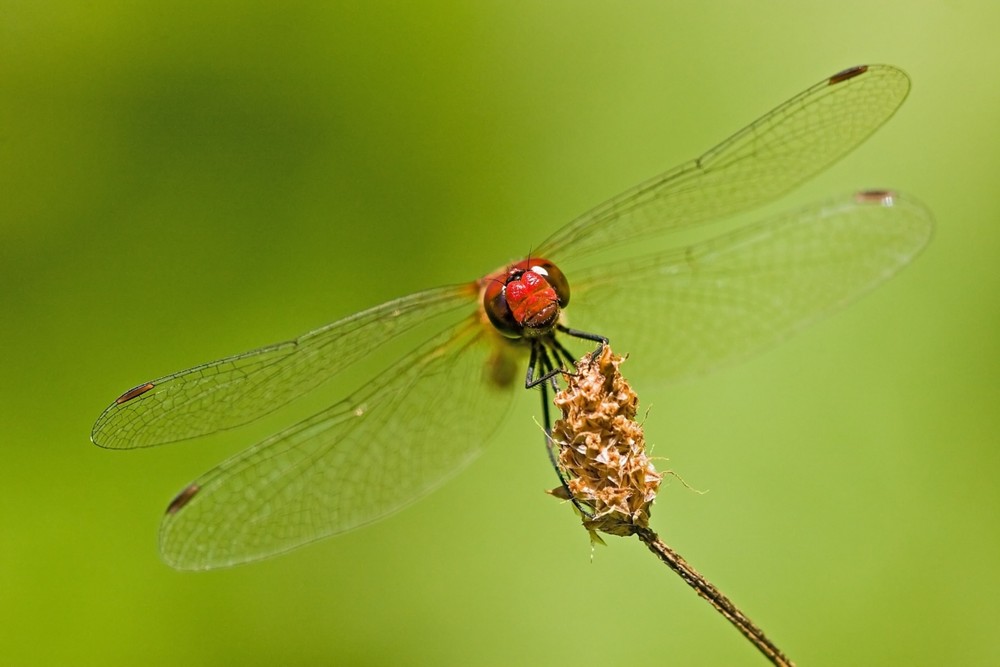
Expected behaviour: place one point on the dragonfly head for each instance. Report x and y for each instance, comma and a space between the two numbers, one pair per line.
525, 299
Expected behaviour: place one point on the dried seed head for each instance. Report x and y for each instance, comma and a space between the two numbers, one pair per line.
602, 450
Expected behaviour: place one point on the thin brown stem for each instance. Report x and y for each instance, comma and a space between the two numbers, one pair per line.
715, 597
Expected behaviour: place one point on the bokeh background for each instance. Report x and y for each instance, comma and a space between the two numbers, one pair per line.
180, 181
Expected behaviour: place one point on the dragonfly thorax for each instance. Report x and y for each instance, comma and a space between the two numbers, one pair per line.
525, 299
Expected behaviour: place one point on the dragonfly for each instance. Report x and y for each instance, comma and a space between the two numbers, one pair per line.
679, 308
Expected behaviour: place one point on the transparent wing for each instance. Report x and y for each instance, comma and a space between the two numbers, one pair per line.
779, 151
689, 310
238, 389
369, 455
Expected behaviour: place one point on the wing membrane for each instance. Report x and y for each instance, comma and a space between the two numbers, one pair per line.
238, 389
779, 151
689, 310
369, 455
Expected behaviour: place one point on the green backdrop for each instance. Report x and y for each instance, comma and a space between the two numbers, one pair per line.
180, 181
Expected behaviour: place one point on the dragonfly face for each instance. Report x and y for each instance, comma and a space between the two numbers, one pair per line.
527, 300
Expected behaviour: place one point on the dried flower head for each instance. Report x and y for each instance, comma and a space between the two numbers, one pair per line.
602, 449
602, 457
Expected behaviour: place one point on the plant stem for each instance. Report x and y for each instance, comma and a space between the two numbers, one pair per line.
715, 597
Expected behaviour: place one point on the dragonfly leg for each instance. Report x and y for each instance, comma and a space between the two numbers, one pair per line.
552, 449
541, 362
586, 335
563, 355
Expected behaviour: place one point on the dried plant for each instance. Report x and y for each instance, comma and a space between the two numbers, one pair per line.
611, 480
602, 449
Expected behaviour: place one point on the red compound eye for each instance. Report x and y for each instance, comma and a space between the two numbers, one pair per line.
495, 304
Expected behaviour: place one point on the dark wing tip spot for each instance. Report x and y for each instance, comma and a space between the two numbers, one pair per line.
135, 392
848, 73
182, 499
880, 197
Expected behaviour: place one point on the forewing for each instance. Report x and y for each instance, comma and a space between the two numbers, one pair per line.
238, 389
779, 151
390, 443
689, 310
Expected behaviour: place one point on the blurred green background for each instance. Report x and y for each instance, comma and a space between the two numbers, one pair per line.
185, 180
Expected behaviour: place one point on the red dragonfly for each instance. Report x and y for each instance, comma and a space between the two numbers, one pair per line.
677, 310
